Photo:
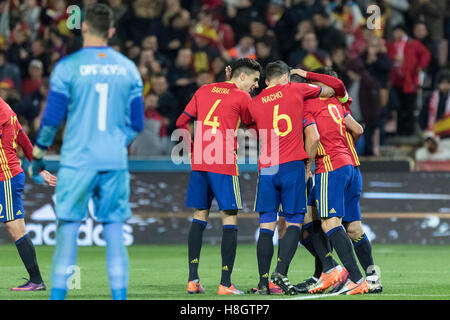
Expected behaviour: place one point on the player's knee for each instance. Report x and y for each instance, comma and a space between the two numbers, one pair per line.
16, 229
354, 230
201, 215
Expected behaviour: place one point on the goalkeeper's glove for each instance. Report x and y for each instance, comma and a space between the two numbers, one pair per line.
37, 165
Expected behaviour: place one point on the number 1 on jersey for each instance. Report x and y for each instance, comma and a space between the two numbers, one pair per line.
214, 124
102, 89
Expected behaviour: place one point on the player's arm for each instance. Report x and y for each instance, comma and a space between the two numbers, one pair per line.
353, 126
330, 86
312, 138
183, 122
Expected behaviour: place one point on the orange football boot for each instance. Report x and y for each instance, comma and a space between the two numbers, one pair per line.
325, 281
228, 290
195, 287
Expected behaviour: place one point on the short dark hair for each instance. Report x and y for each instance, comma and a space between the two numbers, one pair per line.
326, 70
296, 78
245, 65
276, 69
100, 19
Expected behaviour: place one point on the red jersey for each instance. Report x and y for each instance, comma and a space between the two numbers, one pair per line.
219, 109
278, 113
348, 135
12, 135
328, 115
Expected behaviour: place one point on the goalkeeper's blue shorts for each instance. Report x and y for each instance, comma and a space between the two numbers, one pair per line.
11, 207
109, 190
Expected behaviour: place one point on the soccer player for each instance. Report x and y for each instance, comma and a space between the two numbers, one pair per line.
335, 184
278, 114
218, 109
352, 218
12, 181
99, 92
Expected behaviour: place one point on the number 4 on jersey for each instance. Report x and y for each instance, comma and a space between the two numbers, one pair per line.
215, 123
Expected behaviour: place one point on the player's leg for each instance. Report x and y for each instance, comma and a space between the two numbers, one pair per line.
267, 203
12, 214
64, 257
355, 231
228, 251
73, 190
330, 188
111, 201
264, 250
227, 191
199, 196
291, 181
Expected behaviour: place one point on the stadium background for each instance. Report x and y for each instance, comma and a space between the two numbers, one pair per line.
179, 45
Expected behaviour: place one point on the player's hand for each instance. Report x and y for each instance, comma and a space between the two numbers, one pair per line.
33, 171
228, 73
48, 178
302, 73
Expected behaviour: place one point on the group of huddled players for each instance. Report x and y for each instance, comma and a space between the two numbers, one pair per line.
302, 120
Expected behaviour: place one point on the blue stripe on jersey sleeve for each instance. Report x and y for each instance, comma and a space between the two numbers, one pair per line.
137, 114
55, 111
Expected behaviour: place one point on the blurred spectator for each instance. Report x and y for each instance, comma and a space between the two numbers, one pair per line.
151, 43
31, 12
38, 51
176, 34
432, 13
9, 93
152, 141
140, 20
18, 52
366, 107
264, 52
339, 58
167, 103
377, 61
203, 49
409, 57
29, 107
438, 107
420, 33
432, 149
328, 36
10, 71
348, 18
309, 56
244, 49
218, 68
202, 78
396, 11
180, 76
32, 82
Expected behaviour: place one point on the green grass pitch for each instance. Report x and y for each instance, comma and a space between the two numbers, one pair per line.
160, 272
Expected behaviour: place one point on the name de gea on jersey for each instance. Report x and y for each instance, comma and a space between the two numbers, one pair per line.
102, 69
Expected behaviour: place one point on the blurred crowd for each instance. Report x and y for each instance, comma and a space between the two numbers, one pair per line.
393, 56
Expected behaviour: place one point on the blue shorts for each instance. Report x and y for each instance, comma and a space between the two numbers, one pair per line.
268, 217
109, 190
310, 190
204, 186
11, 207
352, 196
285, 187
330, 191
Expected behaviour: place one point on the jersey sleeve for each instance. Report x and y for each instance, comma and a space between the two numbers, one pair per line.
246, 117
137, 102
307, 90
334, 83
191, 108
308, 115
